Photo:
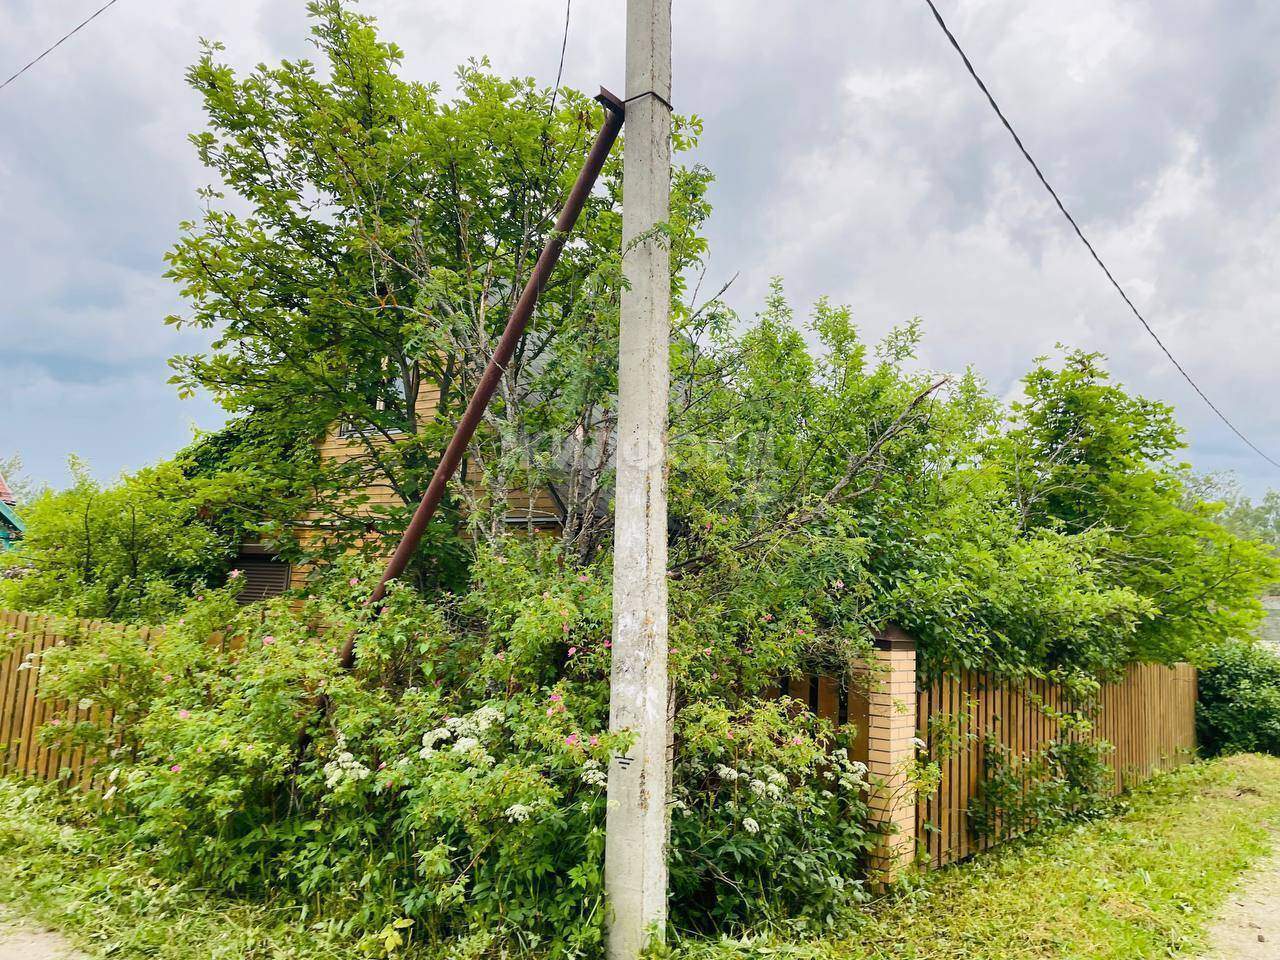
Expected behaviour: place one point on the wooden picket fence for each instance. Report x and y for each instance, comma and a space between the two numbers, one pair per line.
1147, 718
23, 712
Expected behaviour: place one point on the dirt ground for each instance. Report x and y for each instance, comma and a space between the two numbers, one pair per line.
22, 941
1249, 927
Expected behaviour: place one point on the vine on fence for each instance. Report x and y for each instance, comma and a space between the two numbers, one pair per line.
1067, 778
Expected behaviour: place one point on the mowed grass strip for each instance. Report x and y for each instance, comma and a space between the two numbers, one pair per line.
1143, 884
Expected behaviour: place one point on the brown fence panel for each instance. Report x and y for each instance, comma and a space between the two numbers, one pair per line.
1148, 717
23, 638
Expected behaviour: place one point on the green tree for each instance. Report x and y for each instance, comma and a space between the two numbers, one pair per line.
1083, 456
23, 487
832, 488
387, 236
1236, 510
130, 551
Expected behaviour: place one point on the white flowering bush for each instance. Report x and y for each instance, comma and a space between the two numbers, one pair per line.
769, 819
455, 782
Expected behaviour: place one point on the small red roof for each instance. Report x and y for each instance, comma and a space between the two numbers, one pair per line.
6, 495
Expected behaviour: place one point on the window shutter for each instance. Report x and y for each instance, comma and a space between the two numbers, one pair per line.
262, 577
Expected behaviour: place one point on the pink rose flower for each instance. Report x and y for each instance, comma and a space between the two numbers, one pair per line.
268, 640
573, 651
233, 574
571, 740
354, 581
184, 714
176, 768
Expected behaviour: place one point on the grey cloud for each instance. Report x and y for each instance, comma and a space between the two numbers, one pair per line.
852, 153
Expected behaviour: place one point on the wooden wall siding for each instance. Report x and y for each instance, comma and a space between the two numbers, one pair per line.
1148, 717
336, 447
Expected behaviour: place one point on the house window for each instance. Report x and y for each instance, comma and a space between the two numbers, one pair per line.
393, 387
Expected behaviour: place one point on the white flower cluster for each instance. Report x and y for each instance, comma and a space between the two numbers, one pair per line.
430, 739
849, 774
518, 812
768, 782
344, 767
593, 774
466, 732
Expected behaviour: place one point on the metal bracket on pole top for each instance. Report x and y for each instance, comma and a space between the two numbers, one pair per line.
610, 101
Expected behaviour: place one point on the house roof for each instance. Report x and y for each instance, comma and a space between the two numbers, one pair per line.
9, 518
6, 495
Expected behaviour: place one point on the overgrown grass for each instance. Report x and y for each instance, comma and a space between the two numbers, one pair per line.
103, 896
1141, 885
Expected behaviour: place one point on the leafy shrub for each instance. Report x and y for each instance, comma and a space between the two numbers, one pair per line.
1067, 779
790, 825
1239, 706
132, 551
454, 786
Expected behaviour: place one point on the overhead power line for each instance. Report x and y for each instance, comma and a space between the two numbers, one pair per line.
1085, 240
564, 45
61, 40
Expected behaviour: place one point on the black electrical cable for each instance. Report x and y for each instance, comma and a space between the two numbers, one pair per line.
61, 40
564, 45
1083, 239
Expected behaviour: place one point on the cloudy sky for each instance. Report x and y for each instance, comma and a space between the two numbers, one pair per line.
853, 156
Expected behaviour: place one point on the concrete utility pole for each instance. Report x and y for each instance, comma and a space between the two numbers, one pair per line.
636, 830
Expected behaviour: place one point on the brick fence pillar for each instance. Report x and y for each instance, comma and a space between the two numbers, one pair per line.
891, 728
